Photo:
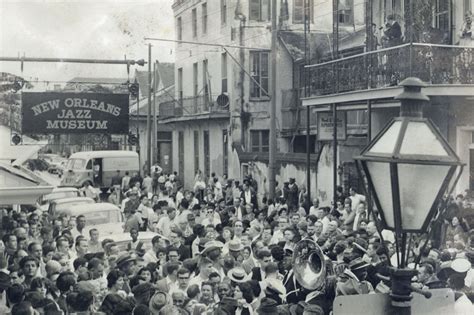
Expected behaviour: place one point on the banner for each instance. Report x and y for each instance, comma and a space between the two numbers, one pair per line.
65, 113
326, 126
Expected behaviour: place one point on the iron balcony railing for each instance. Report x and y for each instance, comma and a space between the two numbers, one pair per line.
434, 64
202, 104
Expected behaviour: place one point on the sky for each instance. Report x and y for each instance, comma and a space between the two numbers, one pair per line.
97, 29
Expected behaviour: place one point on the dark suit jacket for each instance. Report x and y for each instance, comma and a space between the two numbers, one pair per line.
184, 252
394, 33
253, 198
256, 274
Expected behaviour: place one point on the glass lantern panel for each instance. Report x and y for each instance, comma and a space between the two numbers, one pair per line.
380, 175
386, 143
420, 138
419, 186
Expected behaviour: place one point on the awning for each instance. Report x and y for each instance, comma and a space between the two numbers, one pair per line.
23, 195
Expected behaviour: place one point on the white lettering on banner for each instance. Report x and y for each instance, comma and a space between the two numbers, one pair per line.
92, 104
77, 124
43, 107
78, 113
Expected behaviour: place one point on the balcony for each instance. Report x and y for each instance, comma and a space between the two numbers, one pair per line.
192, 108
434, 64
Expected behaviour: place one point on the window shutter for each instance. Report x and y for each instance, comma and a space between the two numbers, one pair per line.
254, 10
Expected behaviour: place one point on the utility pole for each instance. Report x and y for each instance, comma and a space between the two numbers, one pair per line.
273, 142
154, 134
307, 22
148, 116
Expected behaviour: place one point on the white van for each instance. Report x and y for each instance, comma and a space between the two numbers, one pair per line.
98, 167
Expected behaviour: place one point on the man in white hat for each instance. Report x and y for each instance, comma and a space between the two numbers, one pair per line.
462, 304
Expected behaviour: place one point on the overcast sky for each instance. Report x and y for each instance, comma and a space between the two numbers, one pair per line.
101, 29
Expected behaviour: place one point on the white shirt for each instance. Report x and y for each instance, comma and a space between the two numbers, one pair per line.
146, 212
148, 183
196, 280
150, 257
356, 221
218, 190
248, 196
325, 221
215, 221
356, 200
165, 224
313, 210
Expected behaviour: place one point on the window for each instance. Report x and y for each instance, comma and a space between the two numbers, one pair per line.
204, 76
260, 140
443, 18
179, 28
299, 144
346, 12
357, 117
180, 85
223, 11
181, 153
298, 10
224, 72
207, 155
259, 72
393, 7
204, 18
260, 10
225, 142
194, 21
196, 151
467, 5
205, 86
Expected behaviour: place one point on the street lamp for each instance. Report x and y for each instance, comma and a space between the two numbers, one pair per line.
408, 168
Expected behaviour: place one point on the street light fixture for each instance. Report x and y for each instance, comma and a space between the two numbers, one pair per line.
408, 167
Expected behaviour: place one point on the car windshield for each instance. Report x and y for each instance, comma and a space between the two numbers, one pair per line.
104, 216
59, 195
76, 164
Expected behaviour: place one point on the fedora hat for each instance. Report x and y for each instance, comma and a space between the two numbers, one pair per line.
123, 259
235, 246
238, 275
211, 245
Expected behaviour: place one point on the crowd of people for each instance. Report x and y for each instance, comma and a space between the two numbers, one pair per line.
221, 247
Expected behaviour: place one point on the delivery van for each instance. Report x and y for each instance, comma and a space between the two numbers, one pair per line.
98, 167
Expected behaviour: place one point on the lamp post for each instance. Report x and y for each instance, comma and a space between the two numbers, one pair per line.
408, 166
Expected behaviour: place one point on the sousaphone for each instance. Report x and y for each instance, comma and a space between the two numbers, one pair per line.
309, 265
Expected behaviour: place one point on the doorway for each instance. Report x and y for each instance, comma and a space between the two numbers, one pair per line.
164, 146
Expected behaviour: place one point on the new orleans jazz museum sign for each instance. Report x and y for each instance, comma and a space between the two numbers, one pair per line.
63, 113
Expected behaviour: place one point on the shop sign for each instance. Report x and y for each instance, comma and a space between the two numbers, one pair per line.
65, 113
326, 126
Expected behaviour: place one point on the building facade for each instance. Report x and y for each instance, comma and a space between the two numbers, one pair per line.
220, 115
361, 79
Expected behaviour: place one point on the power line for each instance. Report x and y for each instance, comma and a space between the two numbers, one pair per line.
203, 43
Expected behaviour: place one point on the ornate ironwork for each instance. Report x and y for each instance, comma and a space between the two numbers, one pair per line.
434, 64
201, 104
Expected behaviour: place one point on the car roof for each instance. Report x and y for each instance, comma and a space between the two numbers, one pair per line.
111, 153
103, 206
72, 199
63, 189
